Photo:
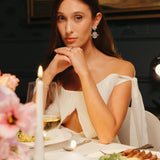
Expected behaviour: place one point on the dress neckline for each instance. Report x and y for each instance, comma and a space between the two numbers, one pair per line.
99, 83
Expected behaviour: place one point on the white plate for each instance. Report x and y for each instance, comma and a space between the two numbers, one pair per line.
55, 135
96, 155
154, 152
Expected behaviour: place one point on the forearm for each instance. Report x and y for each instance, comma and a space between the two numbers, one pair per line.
100, 116
47, 79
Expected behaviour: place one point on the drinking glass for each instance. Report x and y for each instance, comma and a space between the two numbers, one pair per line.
30, 91
51, 116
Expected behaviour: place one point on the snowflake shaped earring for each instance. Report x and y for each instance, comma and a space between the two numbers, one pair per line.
94, 32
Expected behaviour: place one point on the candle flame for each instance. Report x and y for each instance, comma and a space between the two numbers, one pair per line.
40, 71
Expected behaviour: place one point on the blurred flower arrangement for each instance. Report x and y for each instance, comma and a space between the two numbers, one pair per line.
14, 116
8, 80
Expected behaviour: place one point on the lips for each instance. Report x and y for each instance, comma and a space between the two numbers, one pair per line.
70, 39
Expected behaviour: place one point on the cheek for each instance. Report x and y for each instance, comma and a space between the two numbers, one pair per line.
84, 30
61, 30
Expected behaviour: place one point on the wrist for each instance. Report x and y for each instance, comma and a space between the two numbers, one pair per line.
84, 73
47, 78
46, 86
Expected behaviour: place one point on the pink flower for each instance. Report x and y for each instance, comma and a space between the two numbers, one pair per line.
27, 117
23, 152
7, 146
19, 152
10, 149
9, 102
5, 91
4, 149
10, 81
14, 115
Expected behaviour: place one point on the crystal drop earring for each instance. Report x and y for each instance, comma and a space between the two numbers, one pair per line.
94, 32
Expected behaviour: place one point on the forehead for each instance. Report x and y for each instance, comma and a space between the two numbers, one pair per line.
73, 6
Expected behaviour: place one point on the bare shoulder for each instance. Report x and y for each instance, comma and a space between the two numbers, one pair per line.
124, 67
120, 66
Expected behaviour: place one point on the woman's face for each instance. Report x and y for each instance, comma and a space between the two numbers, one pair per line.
74, 23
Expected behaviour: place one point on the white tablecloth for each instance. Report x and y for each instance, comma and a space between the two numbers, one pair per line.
88, 151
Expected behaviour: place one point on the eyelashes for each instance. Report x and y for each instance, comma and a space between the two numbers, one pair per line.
76, 18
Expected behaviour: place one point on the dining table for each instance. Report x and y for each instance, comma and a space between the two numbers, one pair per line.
92, 150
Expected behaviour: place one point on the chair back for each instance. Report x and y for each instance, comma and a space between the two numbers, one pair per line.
124, 132
153, 129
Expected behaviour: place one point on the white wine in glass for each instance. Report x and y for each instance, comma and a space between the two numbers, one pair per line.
51, 117
50, 122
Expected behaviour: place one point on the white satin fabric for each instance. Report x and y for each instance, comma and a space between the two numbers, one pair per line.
71, 100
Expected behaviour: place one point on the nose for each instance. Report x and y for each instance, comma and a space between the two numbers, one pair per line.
69, 27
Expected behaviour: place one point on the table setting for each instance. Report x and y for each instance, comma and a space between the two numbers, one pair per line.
66, 144
91, 149
40, 136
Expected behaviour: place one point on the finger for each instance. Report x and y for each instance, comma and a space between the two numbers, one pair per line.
67, 59
63, 57
71, 48
64, 50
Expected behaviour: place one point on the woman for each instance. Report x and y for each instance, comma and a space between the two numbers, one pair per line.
95, 82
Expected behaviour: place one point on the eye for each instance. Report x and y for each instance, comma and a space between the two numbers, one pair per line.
60, 18
78, 18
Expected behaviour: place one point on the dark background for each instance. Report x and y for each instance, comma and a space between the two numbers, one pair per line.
23, 48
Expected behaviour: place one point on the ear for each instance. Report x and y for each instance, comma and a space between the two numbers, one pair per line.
97, 19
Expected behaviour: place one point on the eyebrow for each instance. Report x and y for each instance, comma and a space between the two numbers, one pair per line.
77, 12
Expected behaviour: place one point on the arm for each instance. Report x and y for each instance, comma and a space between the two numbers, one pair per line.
57, 65
106, 119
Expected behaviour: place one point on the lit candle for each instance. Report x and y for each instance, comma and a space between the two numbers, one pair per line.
39, 141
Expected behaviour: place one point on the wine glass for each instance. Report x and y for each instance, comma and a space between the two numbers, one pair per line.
51, 116
30, 91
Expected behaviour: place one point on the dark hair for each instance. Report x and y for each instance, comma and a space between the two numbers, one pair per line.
104, 42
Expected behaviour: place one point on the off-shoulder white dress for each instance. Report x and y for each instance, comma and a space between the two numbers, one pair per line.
71, 100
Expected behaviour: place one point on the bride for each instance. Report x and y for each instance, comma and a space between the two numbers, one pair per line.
95, 84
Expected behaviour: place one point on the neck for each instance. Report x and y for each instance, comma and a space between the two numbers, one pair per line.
89, 50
